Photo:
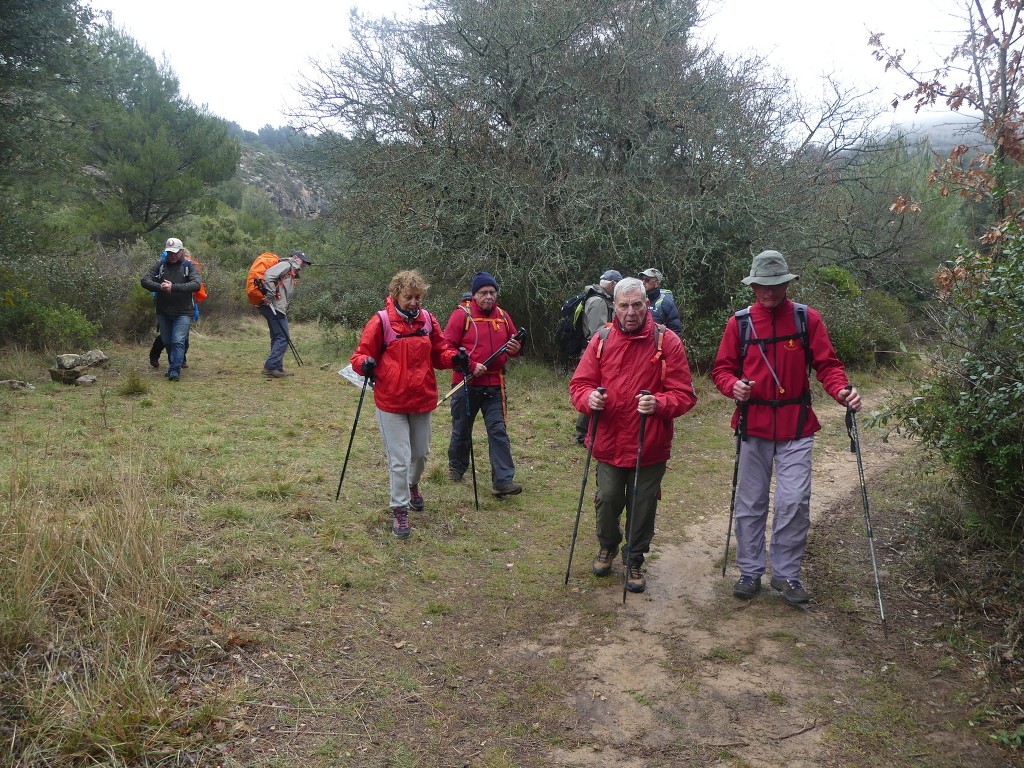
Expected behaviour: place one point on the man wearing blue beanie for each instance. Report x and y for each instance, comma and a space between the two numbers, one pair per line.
482, 328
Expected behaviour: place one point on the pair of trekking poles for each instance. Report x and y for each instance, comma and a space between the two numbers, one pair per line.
631, 513
851, 430
467, 375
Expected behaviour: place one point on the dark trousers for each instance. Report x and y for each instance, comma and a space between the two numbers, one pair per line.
615, 493
158, 349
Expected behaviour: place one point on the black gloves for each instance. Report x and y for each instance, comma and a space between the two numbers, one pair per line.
369, 366
461, 361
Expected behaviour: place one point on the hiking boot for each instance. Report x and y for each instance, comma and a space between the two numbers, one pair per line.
274, 373
184, 364
400, 522
454, 475
415, 498
792, 590
747, 587
172, 377
603, 562
635, 579
510, 488
155, 362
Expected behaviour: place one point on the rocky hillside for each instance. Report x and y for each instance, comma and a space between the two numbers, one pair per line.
293, 195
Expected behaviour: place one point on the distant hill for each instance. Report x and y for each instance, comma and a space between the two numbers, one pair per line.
944, 131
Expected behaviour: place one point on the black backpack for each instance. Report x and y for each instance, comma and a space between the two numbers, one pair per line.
569, 332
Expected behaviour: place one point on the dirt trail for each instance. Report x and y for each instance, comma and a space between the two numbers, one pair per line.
689, 675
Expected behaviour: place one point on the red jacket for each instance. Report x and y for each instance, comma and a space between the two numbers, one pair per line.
625, 367
482, 335
789, 362
405, 370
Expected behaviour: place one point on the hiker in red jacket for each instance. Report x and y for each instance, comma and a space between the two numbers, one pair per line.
768, 378
482, 328
399, 349
631, 355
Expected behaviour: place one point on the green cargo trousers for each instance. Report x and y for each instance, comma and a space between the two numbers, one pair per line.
615, 493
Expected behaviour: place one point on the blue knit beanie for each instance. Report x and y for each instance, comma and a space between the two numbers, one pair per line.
480, 279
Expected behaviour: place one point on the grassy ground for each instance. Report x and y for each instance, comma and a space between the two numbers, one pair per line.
180, 587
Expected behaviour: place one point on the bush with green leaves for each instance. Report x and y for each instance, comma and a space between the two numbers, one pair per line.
38, 326
864, 325
971, 408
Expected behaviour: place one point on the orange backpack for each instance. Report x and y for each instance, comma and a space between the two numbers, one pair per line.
254, 280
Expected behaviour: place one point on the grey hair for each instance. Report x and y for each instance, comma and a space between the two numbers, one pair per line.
628, 285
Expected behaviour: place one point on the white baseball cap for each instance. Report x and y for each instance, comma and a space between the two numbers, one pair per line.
173, 245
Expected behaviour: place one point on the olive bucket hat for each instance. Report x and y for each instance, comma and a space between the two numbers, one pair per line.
769, 268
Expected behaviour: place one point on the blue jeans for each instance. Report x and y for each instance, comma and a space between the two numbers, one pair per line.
174, 332
489, 401
277, 322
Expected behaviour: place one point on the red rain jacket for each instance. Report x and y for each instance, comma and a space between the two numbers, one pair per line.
788, 360
405, 371
482, 335
627, 365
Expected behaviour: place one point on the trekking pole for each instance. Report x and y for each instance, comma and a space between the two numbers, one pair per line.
583, 487
851, 428
355, 421
519, 336
741, 432
628, 559
469, 432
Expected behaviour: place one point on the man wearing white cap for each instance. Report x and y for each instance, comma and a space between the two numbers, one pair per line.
663, 304
173, 280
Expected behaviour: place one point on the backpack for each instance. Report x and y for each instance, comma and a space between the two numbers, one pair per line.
799, 319
390, 337
254, 288
569, 336
658, 357
804, 398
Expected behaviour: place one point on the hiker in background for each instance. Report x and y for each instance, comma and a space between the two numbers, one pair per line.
633, 354
482, 328
597, 313
173, 279
158, 343
398, 350
279, 284
663, 304
762, 364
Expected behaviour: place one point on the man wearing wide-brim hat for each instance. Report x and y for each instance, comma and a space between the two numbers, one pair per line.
763, 364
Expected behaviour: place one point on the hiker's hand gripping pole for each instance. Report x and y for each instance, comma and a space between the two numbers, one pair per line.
741, 434
853, 403
583, 487
518, 337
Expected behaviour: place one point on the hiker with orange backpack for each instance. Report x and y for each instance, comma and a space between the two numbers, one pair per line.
482, 328
399, 349
173, 281
273, 291
646, 379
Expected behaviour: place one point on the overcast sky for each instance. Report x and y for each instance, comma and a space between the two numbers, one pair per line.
243, 60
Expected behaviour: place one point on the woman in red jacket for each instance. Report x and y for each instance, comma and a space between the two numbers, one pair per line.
399, 349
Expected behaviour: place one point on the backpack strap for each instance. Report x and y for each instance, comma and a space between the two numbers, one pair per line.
390, 337
659, 334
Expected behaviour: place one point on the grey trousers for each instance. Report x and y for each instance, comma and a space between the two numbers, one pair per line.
615, 493
406, 439
792, 505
